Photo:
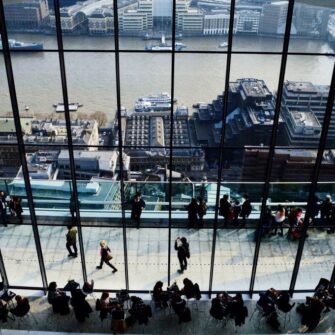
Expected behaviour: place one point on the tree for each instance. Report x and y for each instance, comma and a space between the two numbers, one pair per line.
100, 117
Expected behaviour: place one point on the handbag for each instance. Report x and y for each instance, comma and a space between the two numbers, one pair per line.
109, 256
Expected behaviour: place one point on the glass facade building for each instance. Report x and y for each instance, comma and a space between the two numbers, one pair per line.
102, 100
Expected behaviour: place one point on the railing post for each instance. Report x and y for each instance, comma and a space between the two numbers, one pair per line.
3, 271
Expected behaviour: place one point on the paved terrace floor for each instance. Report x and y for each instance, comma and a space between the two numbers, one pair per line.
161, 323
148, 258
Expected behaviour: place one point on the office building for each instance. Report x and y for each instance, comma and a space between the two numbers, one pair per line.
26, 15
273, 18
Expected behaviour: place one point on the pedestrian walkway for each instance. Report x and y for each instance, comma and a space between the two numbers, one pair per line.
148, 258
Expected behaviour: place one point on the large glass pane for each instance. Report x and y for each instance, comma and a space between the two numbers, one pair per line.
19, 254
58, 265
38, 88
276, 260
312, 24
93, 101
28, 25
317, 259
251, 104
104, 278
201, 97
143, 24
260, 26
304, 100
147, 257
198, 267
233, 259
5, 107
204, 26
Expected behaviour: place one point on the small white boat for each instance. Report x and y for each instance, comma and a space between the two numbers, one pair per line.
223, 45
72, 107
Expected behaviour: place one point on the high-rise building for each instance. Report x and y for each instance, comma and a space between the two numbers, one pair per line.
217, 22
248, 21
273, 18
305, 98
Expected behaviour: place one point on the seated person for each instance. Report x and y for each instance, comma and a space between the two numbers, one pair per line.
58, 299
188, 289
22, 306
104, 305
216, 310
88, 287
237, 309
141, 311
137, 305
178, 304
266, 303
311, 312
159, 296
80, 305
283, 302
3, 311
118, 322
329, 298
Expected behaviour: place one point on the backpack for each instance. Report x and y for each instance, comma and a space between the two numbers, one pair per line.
187, 250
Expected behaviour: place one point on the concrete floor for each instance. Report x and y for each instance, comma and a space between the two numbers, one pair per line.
148, 258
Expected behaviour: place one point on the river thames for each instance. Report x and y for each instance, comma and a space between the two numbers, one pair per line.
198, 77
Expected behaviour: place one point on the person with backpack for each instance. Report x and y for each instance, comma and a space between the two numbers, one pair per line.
179, 306
202, 210
183, 252
246, 209
71, 241
106, 256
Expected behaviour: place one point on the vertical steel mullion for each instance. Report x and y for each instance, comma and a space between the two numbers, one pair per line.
223, 134
332, 278
173, 58
3, 271
315, 178
69, 132
20, 142
266, 187
118, 115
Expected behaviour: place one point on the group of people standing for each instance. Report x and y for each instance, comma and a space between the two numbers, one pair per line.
10, 206
231, 211
196, 209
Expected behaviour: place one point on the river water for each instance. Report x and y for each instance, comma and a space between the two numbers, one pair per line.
198, 77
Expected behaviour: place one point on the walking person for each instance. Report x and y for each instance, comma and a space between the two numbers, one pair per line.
246, 209
137, 205
183, 252
3, 208
71, 241
106, 256
202, 210
192, 209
